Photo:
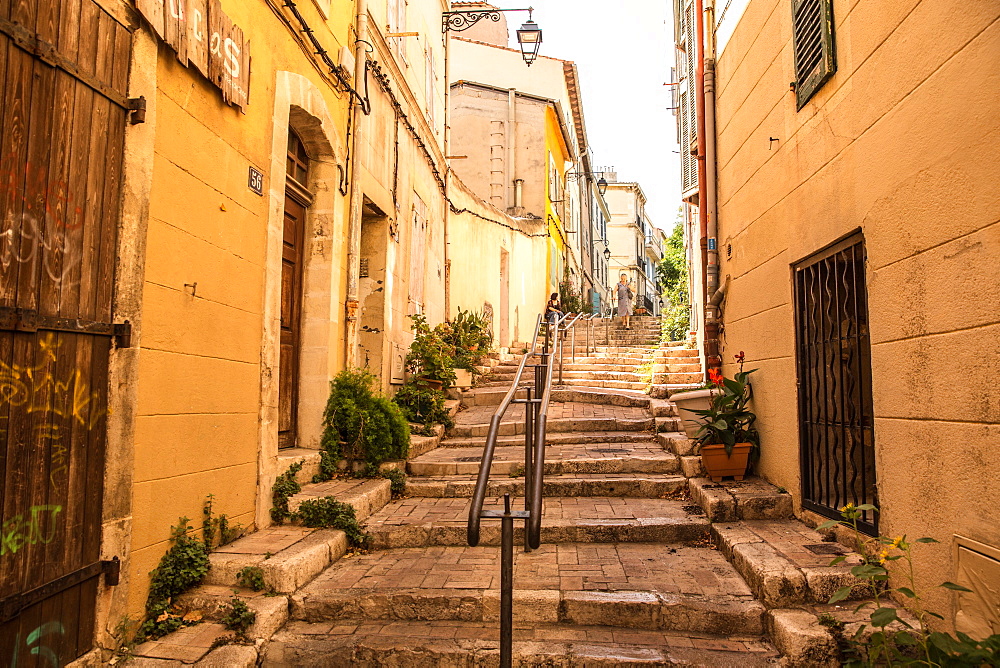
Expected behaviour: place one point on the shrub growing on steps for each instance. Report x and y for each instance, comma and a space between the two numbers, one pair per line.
424, 405
360, 424
182, 567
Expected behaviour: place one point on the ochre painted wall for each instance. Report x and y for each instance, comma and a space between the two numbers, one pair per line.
199, 381
902, 144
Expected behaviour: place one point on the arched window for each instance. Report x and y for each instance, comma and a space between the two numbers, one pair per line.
297, 161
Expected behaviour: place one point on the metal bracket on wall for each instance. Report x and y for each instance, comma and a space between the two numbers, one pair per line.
137, 110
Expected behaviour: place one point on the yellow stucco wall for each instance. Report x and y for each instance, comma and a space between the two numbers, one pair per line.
901, 143
557, 149
199, 387
477, 246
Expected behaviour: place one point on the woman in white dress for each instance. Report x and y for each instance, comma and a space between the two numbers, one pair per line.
624, 294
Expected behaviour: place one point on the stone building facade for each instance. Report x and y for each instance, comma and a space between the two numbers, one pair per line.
856, 214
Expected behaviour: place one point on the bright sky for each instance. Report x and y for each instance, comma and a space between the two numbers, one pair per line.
624, 52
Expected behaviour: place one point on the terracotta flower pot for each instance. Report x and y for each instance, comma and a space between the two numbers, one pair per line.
695, 400
718, 464
430, 383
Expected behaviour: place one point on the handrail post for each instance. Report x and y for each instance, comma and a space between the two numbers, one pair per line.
507, 585
573, 344
529, 435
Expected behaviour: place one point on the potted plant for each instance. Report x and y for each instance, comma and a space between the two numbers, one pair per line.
727, 436
689, 402
431, 359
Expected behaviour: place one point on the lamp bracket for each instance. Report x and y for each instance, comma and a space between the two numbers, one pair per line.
463, 20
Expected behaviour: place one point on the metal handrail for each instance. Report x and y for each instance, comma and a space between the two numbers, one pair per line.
535, 417
486, 463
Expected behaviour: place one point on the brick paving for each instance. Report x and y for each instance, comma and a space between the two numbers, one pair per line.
455, 511
524, 632
570, 410
790, 539
187, 644
656, 568
553, 452
267, 541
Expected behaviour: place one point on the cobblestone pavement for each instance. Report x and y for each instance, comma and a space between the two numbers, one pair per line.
557, 411
648, 567
533, 632
455, 511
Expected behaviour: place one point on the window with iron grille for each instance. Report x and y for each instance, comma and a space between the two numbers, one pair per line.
815, 61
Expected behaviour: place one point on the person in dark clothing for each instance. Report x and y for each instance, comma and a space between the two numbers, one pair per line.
552, 310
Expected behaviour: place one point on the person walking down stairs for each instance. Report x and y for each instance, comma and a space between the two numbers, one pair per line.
625, 295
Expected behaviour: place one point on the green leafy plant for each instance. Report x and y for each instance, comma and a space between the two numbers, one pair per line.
358, 424
569, 298
396, 478
672, 282
432, 354
251, 577
238, 616
285, 486
471, 334
423, 404
327, 512
182, 567
212, 526
894, 641
727, 420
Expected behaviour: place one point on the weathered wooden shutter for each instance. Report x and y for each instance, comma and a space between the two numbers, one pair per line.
815, 60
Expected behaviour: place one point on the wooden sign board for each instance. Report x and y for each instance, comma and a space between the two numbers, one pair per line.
202, 35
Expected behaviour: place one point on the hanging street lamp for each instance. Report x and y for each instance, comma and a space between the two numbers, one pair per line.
529, 36
602, 183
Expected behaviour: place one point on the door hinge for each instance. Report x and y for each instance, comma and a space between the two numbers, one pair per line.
137, 110
112, 571
123, 334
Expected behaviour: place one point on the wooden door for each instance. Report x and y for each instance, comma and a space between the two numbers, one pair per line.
62, 120
291, 309
833, 355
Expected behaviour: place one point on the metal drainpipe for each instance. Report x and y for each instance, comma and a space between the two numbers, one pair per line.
354, 219
713, 294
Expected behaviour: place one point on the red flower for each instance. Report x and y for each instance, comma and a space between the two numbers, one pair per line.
715, 377
739, 358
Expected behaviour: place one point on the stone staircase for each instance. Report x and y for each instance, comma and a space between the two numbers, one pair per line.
643, 562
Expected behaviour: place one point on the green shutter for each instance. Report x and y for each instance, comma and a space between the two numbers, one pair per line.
815, 60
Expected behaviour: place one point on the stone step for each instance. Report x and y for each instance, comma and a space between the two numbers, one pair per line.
423, 522
655, 586
631, 485
578, 458
310, 463
289, 556
492, 395
677, 352
676, 378
670, 366
593, 374
366, 495
609, 384
668, 424
512, 426
564, 416
595, 438
747, 499
786, 563
464, 644
195, 644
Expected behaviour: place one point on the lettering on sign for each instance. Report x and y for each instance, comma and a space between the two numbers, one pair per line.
203, 36
256, 181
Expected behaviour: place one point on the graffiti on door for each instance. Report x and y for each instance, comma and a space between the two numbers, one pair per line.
61, 400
